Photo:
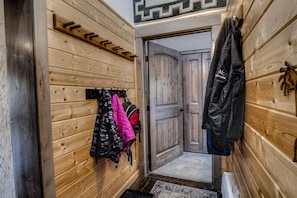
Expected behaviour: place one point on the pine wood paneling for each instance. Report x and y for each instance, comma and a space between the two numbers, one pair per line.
112, 180
272, 56
67, 94
65, 128
82, 17
107, 19
64, 111
246, 5
70, 143
89, 178
279, 166
266, 92
277, 127
264, 158
252, 188
113, 17
73, 67
267, 186
274, 19
71, 159
63, 42
69, 77
254, 15
78, 63
239, 177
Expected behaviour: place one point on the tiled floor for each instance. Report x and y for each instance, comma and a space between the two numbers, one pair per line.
191, 169
190, 166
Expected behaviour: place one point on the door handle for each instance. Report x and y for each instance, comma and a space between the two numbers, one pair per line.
181, 110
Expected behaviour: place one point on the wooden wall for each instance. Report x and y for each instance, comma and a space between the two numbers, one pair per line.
74, 66
263, 161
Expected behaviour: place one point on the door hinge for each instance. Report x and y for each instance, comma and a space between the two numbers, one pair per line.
148, 108
146, 58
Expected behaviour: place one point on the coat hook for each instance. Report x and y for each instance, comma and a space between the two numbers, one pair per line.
88, 34
125, 52
105, 42
74, 27
116, 48
67, 24
94, 36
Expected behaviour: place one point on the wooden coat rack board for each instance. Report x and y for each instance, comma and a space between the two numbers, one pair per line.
76, 30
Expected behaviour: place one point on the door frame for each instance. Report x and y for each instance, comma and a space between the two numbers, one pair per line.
162, 29
42, 132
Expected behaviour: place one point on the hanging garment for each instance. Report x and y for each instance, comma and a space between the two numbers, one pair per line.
107, 140
122, 122
223, 113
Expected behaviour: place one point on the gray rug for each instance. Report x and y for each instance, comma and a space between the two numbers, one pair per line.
168, 190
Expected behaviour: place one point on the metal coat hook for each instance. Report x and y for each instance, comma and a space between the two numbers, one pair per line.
93, 93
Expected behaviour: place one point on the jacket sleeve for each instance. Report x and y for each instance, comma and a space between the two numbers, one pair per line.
220, 41
220, 95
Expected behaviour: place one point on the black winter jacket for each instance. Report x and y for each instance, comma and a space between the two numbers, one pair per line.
223, 114
107, 140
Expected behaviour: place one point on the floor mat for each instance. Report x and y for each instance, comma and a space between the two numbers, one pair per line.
168, 190
136, 194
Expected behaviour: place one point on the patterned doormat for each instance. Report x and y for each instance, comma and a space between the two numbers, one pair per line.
168, 190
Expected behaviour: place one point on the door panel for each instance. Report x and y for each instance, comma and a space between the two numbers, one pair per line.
195, 67
166, 119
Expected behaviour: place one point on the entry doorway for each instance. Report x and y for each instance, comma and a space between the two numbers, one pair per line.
176, 87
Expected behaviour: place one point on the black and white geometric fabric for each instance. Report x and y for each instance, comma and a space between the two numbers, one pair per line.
146, 10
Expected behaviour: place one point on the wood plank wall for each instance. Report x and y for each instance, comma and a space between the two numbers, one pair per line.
74, 66
263, 162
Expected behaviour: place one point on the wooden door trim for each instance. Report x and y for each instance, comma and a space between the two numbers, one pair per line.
43, 98
177, 27
39, 133
141, 83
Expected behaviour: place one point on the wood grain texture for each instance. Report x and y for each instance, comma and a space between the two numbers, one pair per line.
252, 189
264, 158
272, 56
65, 128
255, 13
62, 42
43, 98
74, 78
246, 5
266, 92
82, 17
280, 13
275, 162
204, 22
277, 127
73, 67
23, 102
165, 77
104, 17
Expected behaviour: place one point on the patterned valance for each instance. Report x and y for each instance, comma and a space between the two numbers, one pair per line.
146, 10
